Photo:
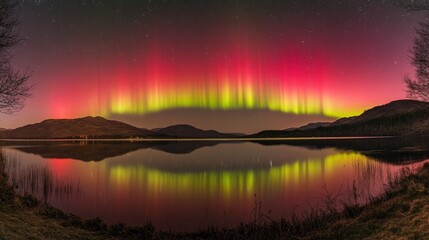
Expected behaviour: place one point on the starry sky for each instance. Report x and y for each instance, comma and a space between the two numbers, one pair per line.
232, 65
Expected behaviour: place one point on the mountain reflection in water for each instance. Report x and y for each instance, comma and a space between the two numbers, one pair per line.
193, 184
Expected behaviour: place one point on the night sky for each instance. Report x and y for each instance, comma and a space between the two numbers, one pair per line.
239, 66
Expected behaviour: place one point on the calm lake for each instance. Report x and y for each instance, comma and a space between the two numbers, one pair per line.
185, 185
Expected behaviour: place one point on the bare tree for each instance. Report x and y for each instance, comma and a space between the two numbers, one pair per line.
418, 88
14, 85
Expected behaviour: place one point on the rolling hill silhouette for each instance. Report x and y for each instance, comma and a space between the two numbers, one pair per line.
397, 118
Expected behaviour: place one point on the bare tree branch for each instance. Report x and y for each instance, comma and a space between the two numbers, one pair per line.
14, 85
418, 88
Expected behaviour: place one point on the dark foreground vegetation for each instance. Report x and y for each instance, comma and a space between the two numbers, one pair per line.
401, 212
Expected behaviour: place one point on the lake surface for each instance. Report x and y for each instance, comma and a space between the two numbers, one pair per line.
185, 185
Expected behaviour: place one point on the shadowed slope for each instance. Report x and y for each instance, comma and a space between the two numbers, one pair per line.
87, 127
188, 131
403, 117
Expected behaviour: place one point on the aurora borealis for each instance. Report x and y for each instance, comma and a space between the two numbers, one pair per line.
150, 63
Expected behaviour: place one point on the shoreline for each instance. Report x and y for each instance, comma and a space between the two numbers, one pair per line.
244, 139
405, 201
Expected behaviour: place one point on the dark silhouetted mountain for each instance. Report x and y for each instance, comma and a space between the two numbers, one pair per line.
87, 127
188, 131
342, 121
395, 108
311, 126
98, 127
398, 118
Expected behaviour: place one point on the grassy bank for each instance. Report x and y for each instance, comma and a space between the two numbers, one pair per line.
24, 217
402, 212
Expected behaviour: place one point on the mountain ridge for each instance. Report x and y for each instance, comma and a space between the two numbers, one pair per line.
189, 131
98, 127
86, 127
400, 117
